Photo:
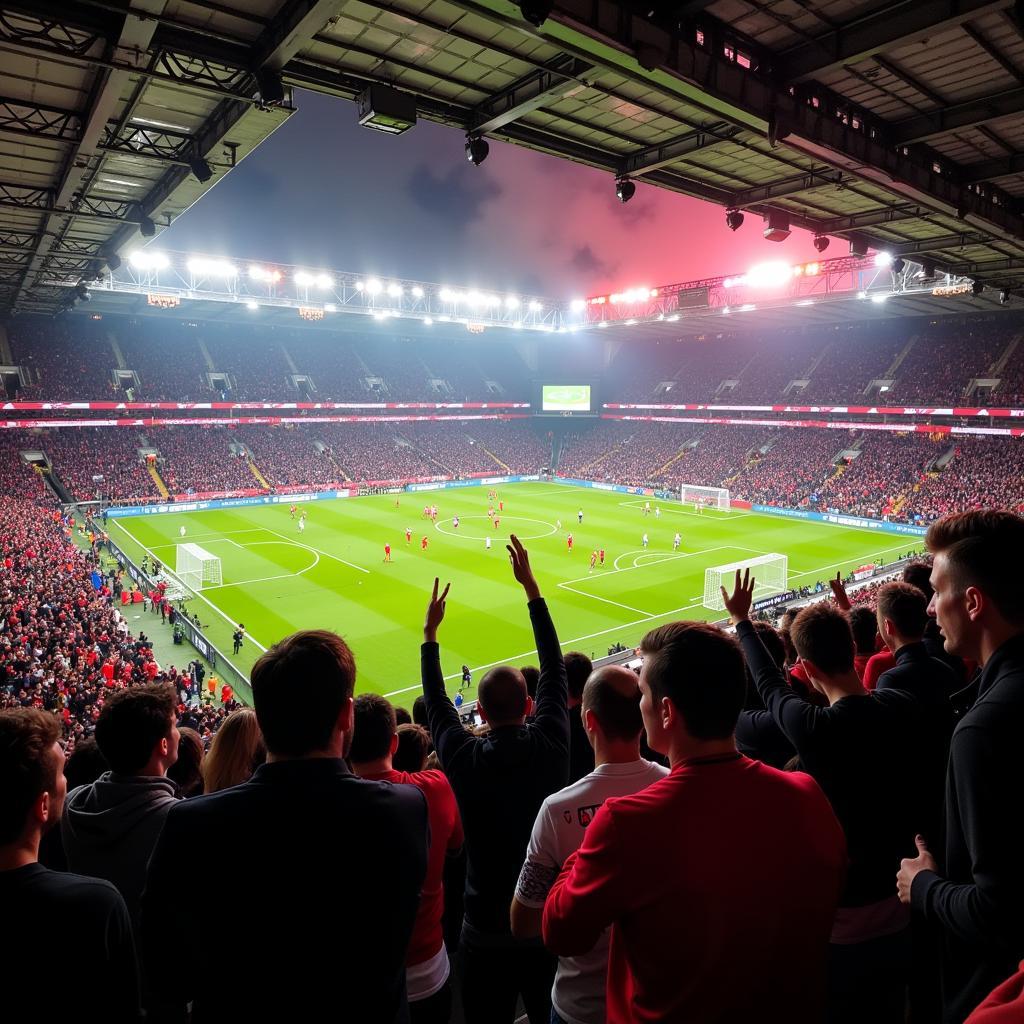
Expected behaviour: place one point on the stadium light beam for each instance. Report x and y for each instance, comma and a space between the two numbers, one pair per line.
144, 260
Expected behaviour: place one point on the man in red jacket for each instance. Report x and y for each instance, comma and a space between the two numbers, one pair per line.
720, 881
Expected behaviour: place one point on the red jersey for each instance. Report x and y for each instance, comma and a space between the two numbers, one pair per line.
408, 535
601, 555
877, 664
445, 836
225, 693
423, 543
1005, 1005
387, 549
568, 540
652, 860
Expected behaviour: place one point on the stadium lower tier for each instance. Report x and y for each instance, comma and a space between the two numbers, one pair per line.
912, 477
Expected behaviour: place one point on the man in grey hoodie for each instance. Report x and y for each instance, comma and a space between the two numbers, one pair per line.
109, 828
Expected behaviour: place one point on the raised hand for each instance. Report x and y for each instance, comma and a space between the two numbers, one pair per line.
519, 559
839, 592
738, 603
435, 612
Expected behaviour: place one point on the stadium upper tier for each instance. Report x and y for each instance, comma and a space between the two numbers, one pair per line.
907, 477
900, 361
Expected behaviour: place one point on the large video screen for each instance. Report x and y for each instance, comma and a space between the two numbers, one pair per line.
565, 398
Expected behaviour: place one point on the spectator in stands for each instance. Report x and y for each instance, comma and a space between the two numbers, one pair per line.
1005, 1005
976, 898
187, 771
839, 746
757, 735
500, 781
374, 744
581, 754
303, 837
110, 827
88, 914
865, 634
655, 864
918, 574
413, 749
236, 752
611, 718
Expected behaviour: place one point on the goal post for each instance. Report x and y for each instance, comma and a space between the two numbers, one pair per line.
197, 568
770, 572
705, 497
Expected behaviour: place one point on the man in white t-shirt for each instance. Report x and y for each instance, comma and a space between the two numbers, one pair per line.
611, 716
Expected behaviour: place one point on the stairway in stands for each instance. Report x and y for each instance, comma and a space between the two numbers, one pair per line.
158, 480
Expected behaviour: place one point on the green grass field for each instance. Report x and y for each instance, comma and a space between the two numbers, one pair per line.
333, 575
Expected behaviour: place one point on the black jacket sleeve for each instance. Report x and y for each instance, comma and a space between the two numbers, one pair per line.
446, 728
985, 911
799, 721
551, 716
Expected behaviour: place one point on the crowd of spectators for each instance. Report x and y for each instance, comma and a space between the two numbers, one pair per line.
200, 459
287, 457
79, 454
791, 468
565, 838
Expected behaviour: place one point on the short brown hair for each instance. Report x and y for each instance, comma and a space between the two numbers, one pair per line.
905, 606
700, 669
984, 549
821, 634
613, 694
132, 722
373, 725
502, 694
299, 688
26, 769
864, 626
413, 748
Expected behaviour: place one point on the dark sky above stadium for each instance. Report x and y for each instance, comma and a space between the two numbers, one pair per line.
324, 192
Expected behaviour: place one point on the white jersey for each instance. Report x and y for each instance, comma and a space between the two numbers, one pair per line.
676, 541
644, 540
579, 991
657, 513
302, 525
487, 543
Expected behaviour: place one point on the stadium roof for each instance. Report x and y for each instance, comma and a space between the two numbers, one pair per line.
898, 125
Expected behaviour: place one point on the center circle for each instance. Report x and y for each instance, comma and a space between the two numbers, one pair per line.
439, 526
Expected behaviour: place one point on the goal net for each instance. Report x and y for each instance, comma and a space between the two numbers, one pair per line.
770, 572
197, 568
704, 497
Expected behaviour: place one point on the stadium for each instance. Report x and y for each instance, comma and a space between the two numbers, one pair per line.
332, 329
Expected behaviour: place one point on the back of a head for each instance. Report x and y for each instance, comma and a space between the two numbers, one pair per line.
906, 607
577, 670
502, 695
236, 752
413, 748
864, 626
373, 726
772, 641
132, 723
402, 716
700, 669
187, 771
531, 676
821, 634
86, 763
27, 768
419, 711
985, 550
918, 574
612, 693
299, 688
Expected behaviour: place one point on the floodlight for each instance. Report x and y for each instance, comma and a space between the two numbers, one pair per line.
820, 243
535, 11
476, 149
1004, 297
395, 290
883, 259
512, 301
201, 169
535, 306
373, 286
577, 305
143, 259
734, 219
252, 304
81, 293
146, 227
417, 292
625, 189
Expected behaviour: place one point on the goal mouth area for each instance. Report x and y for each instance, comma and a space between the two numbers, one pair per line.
770, 573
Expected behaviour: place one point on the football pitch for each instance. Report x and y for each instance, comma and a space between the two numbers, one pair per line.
333, 576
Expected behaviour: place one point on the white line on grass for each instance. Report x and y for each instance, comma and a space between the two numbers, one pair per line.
320, 551
562, 643
833, 565
267, 579
724, 513
606, 600
226, 618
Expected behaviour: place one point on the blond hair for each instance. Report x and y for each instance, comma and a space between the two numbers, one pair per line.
236, 752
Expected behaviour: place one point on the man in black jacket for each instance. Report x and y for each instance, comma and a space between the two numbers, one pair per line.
581, 754
857, 750
976, 898
325, 867
500, 781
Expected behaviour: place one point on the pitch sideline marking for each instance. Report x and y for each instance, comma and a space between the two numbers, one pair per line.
317, 551
198, 594
267, 579
606, 600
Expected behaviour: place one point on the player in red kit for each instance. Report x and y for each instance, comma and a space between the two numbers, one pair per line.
292, 511
423, 544
387, 552
568, 541
600, 555
501, 506
497, 519
408, 535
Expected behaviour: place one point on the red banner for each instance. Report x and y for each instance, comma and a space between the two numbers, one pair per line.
855, 410
235, 421
180, 406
